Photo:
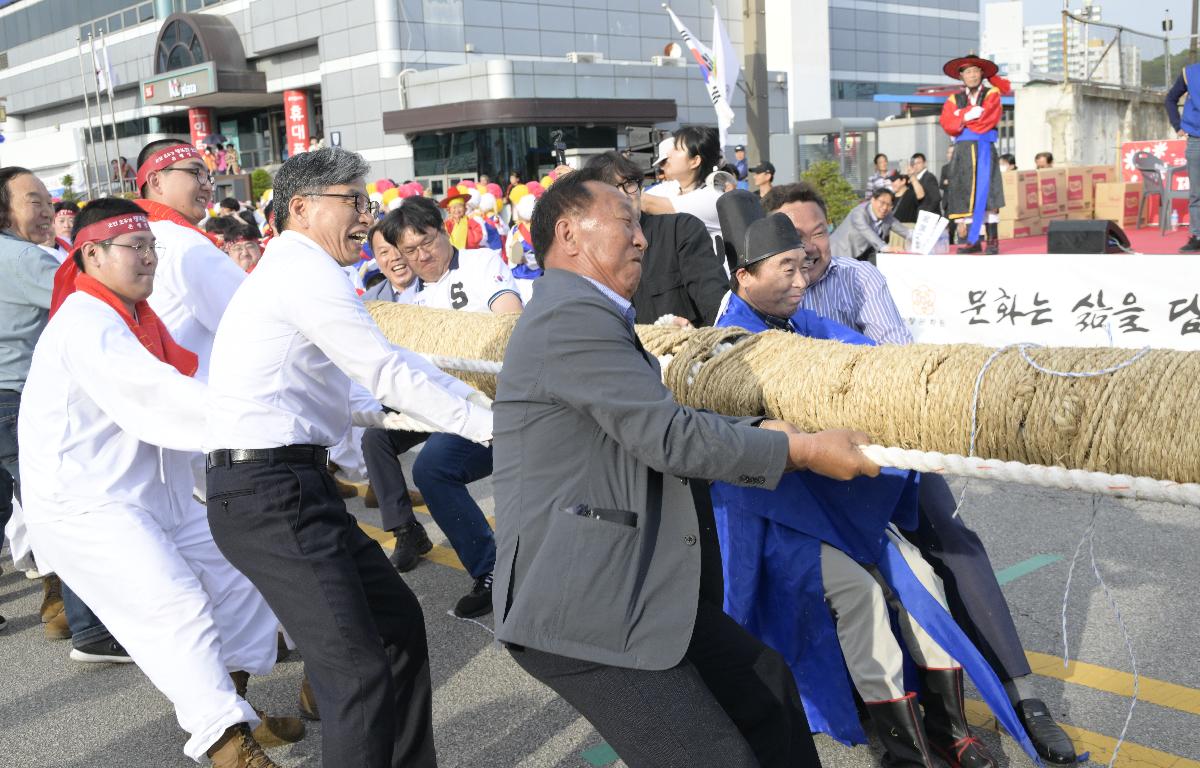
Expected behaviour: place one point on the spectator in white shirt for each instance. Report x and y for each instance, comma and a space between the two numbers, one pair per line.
694, 154
289, 344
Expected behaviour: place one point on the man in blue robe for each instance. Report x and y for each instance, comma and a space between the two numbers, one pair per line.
775, 572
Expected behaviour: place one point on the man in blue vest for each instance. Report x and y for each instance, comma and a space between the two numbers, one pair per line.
1187, 127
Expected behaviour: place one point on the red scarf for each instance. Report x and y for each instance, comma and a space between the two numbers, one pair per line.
146, 327
156, 211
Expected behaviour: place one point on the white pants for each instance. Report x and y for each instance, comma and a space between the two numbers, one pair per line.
859, 600
183, 613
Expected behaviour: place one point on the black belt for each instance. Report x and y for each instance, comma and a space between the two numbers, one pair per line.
288, 454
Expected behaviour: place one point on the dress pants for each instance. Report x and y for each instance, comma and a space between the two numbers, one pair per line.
381, 449
731, 702
359, 627
859, 598
960, 560
184, 615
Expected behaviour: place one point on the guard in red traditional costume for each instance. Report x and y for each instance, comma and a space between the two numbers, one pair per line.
465, 233
975, 193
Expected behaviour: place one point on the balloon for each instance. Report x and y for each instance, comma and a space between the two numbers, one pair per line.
415, 188
535, 189
524, 209
517, 193
462, 189
403, 191
469, 183
396, 203
371, 187
495, 191
383, 185
390, 195
553, 176
375, 196
487, 202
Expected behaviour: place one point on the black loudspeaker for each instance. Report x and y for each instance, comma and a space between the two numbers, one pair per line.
1086, 237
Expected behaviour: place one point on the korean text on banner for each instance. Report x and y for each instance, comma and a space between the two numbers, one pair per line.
1055, 300
295, 116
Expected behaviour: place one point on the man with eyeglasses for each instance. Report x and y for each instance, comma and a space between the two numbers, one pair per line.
681, 274
475, 280
292, 340
241, 244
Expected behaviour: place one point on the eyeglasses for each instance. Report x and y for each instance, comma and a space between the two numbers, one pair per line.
425, 246
203, 177
630, 187
141, 249
241, 247
362, 203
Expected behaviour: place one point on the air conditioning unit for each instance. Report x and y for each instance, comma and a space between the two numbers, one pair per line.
667, 61
584, 57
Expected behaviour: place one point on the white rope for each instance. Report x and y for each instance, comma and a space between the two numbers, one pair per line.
1121, 486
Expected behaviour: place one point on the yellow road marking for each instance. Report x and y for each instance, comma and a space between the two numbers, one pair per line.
1151, 691
439, 554
1101, 746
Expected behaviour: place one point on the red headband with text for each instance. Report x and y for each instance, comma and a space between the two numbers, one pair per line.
164, 158
107, 229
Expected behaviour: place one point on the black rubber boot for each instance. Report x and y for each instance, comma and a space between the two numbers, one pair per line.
946, 720
975, 247
993, 239
898, 726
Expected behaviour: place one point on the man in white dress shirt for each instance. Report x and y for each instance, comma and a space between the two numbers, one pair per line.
289, 345
109, 414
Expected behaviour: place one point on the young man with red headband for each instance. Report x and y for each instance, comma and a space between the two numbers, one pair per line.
110, 417
195, 279
975, 194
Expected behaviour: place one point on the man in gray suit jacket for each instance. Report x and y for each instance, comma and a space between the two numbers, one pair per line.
865, 230
598, 561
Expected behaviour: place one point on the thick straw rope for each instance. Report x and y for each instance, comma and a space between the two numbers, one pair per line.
1116, 432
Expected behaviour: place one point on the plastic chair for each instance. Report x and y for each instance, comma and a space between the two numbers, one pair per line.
1158, 179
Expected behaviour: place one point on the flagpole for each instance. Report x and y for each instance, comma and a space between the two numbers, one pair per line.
112, 115
100, 110
87, 107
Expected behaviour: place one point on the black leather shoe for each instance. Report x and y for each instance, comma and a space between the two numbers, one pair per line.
975, 247
1050, 741
411, 543
1191, 246
478, 602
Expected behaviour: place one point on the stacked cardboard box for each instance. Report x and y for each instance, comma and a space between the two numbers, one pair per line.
1052, 194
1019, 216
1118, 201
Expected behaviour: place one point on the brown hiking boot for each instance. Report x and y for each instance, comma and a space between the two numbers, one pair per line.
52, 599
272, 731
57, 627
237, 749
308, 701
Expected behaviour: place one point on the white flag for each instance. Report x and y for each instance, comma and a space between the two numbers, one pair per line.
100, 62
712, 81
727, 66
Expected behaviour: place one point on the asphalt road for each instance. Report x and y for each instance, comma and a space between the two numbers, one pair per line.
58, 713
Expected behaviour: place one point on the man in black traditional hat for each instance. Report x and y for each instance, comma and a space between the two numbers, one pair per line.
975, 193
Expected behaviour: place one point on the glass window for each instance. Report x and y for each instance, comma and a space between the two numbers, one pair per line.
146, 12
129, 18
114, 22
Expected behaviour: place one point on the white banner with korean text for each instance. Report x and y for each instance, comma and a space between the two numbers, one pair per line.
1055, 300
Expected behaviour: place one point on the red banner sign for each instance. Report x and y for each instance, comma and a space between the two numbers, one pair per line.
295, 115
201, 121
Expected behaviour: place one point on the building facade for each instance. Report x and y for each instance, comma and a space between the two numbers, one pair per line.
268, 75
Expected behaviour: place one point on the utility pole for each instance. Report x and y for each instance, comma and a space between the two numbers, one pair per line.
758, 119
1195, 30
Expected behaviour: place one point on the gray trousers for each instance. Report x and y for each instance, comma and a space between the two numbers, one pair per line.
859, 599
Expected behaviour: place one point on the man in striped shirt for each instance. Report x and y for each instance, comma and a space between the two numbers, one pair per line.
852, 292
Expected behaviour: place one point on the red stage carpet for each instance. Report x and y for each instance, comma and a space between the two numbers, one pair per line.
1146, 240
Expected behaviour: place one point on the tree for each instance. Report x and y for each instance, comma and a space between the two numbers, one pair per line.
1152, 69
260, 181
68, 183
826, 177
